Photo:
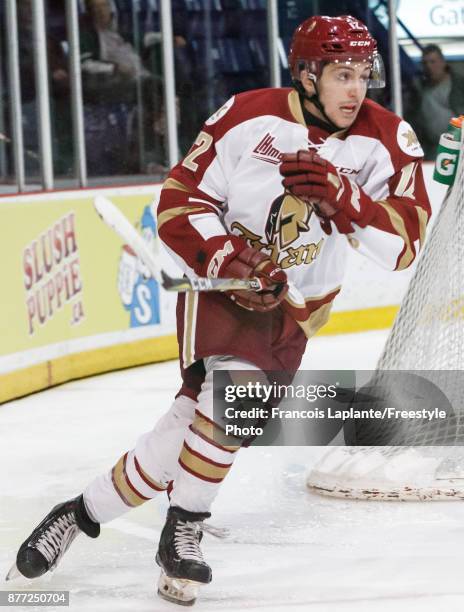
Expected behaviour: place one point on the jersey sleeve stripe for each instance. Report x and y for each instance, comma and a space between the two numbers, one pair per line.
397, 222
172, 213
171, 183
423, 217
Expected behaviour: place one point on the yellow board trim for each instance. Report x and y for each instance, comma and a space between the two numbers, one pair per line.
106, 359
354, 321
88, 363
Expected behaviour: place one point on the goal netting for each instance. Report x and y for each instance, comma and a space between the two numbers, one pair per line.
428, 335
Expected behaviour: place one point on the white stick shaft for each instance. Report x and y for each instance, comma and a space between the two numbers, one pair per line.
113, 217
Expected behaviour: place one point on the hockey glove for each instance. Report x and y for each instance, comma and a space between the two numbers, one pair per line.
230, 257
333, 196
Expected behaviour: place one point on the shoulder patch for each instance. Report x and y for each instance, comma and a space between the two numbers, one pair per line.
407, 140
220, 112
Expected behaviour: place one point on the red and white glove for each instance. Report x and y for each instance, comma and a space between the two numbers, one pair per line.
229, 256
333, 196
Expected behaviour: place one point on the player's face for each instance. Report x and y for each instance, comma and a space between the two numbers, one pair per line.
342, 88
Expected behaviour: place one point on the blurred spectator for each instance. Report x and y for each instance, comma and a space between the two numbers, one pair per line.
110, 65
190, 97
111, 69
153, 159
434, 99
59, 94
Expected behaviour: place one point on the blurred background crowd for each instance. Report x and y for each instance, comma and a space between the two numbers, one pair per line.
220, 48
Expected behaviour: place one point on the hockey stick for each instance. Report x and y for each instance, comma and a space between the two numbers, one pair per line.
115, 219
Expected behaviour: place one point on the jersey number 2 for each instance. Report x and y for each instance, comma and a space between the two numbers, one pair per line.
202, 143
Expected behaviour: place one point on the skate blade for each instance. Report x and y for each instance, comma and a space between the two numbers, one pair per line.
13, 573
178, 590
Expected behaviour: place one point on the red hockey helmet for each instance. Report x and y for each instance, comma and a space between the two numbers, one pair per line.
322, 40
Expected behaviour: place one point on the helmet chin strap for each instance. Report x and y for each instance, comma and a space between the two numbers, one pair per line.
314, 99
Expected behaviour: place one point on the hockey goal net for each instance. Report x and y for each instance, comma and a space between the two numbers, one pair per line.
428, 335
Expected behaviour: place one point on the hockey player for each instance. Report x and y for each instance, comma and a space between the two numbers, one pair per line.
278, 185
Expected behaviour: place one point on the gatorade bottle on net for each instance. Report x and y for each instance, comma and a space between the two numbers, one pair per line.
449, 146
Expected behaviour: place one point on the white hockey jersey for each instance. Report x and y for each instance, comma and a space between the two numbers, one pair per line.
229, 182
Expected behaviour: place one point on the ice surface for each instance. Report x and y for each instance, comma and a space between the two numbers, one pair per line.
288, 549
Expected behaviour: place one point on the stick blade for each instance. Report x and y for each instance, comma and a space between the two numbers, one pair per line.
107, 211
101, 205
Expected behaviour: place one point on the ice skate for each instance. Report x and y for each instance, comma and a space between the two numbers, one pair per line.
183, 569
43, 549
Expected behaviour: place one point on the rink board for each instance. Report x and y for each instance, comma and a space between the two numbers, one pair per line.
77, 301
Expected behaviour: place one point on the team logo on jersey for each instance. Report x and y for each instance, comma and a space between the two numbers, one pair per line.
288, 218
265, 150
220, 112
408, 141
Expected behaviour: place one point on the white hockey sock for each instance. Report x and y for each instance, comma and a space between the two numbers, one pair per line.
202, 468
203, 462
142, 473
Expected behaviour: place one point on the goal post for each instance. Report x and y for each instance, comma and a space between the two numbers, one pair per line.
427, 335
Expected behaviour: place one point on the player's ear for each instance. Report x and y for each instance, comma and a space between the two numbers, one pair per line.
307, 83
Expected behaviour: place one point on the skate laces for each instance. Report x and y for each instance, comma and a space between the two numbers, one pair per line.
56, 539
187, 540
